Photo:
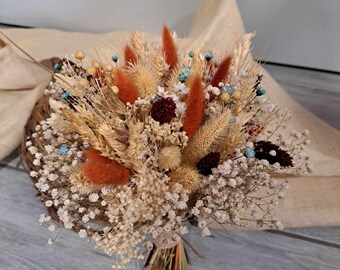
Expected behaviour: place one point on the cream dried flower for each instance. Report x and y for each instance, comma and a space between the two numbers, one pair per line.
187, 176
169, 157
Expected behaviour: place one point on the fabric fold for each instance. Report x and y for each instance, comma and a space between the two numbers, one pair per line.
21, 85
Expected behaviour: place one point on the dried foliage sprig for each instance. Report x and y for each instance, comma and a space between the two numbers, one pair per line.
202, 142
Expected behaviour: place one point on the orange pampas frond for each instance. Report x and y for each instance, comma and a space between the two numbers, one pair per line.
130, 56
127, 91
95, 156
169, 48
100, 170
221, 72
195, 106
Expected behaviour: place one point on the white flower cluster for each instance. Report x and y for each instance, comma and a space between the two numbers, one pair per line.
232, 194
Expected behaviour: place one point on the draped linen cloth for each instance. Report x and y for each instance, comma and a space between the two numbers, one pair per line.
313, 199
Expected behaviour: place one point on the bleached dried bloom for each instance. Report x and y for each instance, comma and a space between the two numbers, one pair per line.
36, 162
52, 177
232, 182
85, 218
206, 232
33, 174
202, 224
28, 143
93, 197
169, 157
51, 228
48, 203
82, 233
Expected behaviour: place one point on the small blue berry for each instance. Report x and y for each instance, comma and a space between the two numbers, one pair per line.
56, 66
209, 78
208, 56
227, 89
186, 70
114, 58
64, 149
191, 54
65, 95
182, 77
260, 91
250, 152
231, 104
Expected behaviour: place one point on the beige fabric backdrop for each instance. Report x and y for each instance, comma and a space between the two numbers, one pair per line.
312, 201
16, 105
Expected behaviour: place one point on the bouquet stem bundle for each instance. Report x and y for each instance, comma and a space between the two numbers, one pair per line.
173, 258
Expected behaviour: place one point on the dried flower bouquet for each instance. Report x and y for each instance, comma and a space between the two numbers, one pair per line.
137, 148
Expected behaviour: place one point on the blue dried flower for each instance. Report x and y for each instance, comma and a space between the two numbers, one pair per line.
260, 91
114, 58
249, 152
64, 149
208, 56
227, 89
182, 77
65, 95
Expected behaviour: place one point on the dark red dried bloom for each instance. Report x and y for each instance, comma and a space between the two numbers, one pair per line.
262, 149
253, 129
163, 110
208, 162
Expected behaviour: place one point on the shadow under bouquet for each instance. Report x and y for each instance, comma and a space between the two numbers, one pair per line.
136, 147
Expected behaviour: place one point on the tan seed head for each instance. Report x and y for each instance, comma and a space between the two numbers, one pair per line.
80, 55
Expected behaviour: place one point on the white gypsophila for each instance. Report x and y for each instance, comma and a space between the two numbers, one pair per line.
214, 90
205, 232
48, 203
28, 143
241, 201
181, 89
93, 197
33, 174
82, 233
51, 228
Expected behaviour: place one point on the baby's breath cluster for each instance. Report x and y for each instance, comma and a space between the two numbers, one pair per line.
136, 148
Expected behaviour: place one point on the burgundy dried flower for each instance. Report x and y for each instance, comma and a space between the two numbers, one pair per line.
262, 151
163, 110
208, 162
253, 129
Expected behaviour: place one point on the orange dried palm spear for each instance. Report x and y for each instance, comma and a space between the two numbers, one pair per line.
222, 71
130, 56
195, 106
169, 48
127, 91
99, 170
